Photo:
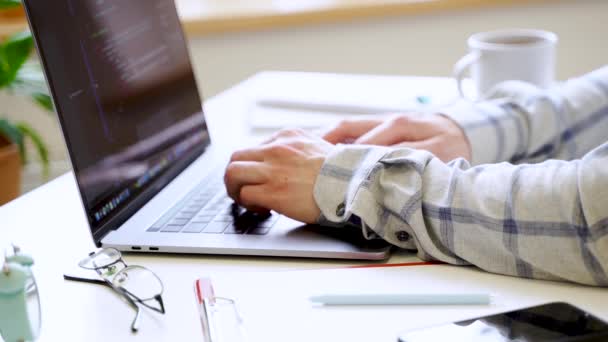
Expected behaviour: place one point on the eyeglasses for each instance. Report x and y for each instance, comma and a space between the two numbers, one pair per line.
136, 284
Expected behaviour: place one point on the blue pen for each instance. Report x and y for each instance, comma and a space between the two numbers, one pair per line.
402, 299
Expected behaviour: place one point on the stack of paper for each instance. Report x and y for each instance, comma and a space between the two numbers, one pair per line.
317, 100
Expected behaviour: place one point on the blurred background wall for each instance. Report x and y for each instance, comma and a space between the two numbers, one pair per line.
410, 45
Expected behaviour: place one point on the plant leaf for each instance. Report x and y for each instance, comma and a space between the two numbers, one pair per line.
30, 82
43, 152
13, 54
44, 100
6, 4
14, 135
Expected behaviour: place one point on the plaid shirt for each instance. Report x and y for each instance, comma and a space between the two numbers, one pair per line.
532, 203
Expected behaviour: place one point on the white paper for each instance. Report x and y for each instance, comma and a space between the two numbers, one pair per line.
313, 100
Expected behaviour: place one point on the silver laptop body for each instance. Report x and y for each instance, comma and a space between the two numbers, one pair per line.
149, 178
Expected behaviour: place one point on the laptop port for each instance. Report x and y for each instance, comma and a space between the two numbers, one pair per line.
153, 248
136, 248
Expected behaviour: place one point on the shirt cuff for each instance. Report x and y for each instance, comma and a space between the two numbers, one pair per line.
345, 169
489, 128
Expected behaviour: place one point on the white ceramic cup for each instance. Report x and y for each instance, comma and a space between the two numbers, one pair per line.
512, 54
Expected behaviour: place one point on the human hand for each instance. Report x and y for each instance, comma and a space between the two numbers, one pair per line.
435, 133
279, 175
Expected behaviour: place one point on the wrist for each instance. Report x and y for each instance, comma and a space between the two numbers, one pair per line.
474, 125
460, 141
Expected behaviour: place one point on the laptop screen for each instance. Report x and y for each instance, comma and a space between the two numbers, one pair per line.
126, 97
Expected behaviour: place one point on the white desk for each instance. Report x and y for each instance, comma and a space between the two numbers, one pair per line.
50, 224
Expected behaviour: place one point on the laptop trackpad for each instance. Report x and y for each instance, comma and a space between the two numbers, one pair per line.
338, 239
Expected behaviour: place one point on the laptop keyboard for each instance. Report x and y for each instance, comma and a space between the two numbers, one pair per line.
207, 209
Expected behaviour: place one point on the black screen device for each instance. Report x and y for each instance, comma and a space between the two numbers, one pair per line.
125, 95
555, 322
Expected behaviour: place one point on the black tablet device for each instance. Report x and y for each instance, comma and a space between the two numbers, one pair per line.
548, 322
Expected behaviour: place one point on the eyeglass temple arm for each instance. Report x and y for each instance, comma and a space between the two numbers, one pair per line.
131, 301
135, 323
84, 280
158, 298
122, 292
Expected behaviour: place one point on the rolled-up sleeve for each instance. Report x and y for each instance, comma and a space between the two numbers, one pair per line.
518, 122
544, 220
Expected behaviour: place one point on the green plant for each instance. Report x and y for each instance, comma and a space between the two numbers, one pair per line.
6, 4
20, 77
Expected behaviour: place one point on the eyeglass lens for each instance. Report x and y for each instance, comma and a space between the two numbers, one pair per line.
101, 258
139, 281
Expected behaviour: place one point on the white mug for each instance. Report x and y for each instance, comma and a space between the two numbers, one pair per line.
512, 54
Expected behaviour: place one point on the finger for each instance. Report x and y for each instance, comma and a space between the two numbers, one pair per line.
385, 134
255, 197
259, 153
350, 130
258, 210
274, 136
403, 128
241, 173
285, 133
248, 154
417, 145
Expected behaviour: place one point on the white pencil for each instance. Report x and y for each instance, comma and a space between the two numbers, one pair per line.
402, 299
331, 108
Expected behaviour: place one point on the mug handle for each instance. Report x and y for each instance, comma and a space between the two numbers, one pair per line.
462, 66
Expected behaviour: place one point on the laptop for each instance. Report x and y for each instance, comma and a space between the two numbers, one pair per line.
149, 176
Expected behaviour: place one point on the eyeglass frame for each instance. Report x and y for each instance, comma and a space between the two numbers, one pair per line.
131, 298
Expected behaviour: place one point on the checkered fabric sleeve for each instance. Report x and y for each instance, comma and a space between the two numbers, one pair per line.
533, 202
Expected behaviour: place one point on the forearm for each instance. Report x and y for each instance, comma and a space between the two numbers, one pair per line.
521, 123
538, 221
